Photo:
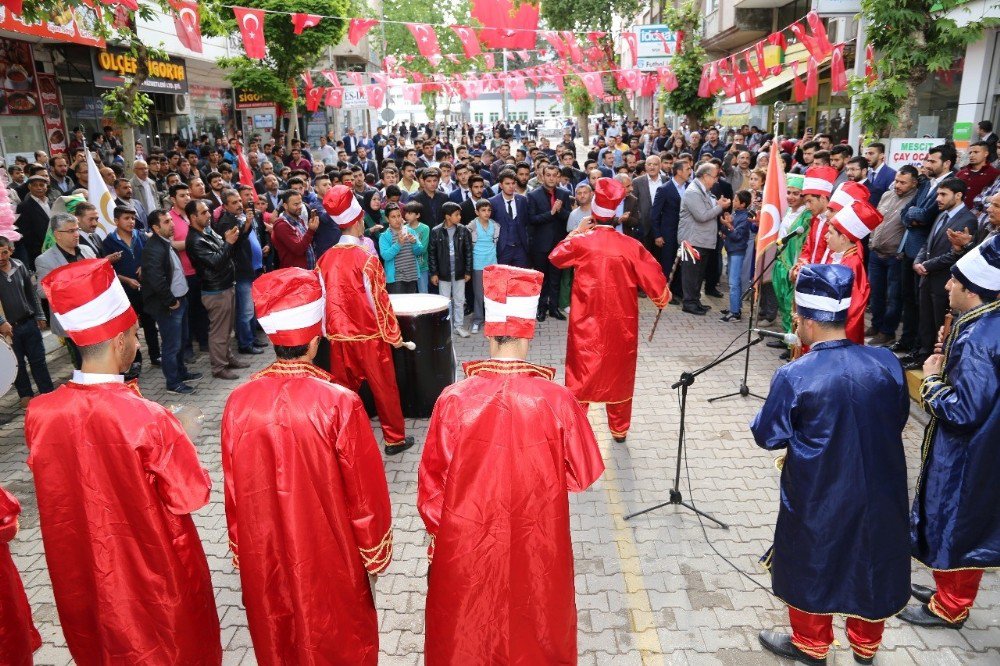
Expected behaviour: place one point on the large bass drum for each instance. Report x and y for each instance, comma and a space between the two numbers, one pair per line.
8, 366
424, 373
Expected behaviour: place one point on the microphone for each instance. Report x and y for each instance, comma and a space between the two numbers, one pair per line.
797, 231
788, 338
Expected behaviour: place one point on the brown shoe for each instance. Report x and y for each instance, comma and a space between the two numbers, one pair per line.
237, 365
870, 331
882, 339
25, 400
225, 374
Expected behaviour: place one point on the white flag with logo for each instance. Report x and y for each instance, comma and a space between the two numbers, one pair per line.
100, 197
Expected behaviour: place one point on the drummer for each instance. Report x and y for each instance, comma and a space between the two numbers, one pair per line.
360, 322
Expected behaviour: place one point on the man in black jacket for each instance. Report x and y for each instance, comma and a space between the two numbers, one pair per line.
430, 197
449, 259
212, 258
164, 297
248, 261
548, 211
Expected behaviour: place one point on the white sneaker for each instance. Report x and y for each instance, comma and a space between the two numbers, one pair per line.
566, 311
475, 328
462, 332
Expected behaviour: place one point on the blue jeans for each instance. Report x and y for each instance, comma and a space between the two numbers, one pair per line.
172, 328
28, 346
423, 280
736, 283
244, 314
887, 295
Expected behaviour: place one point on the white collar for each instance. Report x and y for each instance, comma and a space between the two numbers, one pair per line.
80, 377
349, 240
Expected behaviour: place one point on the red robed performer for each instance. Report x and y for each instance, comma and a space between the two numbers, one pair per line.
306, 497
844, 233
116, 479
602, 346
360, 322
18, 636
816, 190
503, 448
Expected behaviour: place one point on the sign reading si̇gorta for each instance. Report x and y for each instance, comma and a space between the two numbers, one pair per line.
909, 151
112, 66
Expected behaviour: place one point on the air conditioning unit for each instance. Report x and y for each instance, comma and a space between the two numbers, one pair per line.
841, 29
181, 105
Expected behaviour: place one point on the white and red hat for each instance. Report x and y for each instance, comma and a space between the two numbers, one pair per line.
608, 193
290, 305
88, 301
847, 193
819, 181
511, 299
342, 206
857, 220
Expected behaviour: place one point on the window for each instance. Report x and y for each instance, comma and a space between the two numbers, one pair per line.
494, 117
477, 117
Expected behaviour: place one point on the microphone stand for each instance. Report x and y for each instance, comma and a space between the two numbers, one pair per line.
744, 389
686, 380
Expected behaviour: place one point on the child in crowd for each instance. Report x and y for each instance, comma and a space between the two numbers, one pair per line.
450, 262
399, 247
484, 232
737, 229
413, 210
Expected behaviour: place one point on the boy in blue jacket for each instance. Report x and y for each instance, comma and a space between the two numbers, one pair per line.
736, 234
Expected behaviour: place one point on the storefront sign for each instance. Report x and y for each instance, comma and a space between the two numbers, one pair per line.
249, 99
909, 151
354, 98
961, 134
111, 66
656, 45
19, 92
52, 116
72, 24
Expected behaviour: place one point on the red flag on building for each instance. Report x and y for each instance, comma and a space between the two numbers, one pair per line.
838, 71
358, 28
302, 21
470, 43
251, 22
187, 23
427, 41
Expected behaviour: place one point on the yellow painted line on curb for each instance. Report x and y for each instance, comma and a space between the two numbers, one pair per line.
640, 609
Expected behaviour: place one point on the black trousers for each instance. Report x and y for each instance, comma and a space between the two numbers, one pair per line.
668, 255
933, 306
693, 274
399, 287
910, 294
548, 300
148, 324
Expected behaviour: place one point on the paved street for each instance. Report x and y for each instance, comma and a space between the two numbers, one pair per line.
649, 591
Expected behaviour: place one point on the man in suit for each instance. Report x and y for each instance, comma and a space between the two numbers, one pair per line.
880, 175
477, 185
665, 217
86, 217
986, 135
271, 193
461, 192
366, 163
698, 224
33, 220
266, 169
918, 219
548, 211
645, 188
144, 187
933, 265
511, 210
124, 197
350, 141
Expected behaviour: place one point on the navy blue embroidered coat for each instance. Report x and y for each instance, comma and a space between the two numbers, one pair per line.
840, 542
956, 511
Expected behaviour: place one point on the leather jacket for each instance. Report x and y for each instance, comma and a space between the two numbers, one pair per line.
438, 254
212, 258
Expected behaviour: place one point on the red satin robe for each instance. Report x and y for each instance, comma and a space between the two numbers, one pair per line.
503, 448
860, 291
18, 636
116, 479
360, 325
814, 248
602, 346
308, 512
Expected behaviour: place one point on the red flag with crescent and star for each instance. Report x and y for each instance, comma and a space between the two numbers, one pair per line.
427, 41
358, 28
470, 43
302, 21
251, 22
187, 23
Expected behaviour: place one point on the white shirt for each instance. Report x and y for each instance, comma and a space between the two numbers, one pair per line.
513, 205
44, 203
80, 377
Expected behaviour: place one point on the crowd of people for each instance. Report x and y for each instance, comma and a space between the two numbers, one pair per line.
300, 251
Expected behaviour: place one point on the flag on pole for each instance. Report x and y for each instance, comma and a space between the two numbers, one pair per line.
775, 201
99, 196
246, 176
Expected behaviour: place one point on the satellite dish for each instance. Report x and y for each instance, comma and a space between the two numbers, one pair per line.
388, 114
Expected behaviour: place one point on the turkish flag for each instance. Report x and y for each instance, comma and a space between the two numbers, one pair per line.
648, 85
631, 79
332, 77
838, 72
313, 97
470, 43
633, 47
705, 84
427, 42
187, 23
355, 78
307, 79
334, 97
490, 60
812, 78
376, 96
798, 88
246, 176
574, 49
251, 22
668, 79
411, 92
302, 21
592, 82
358, 28
553, 38
870, 75
510, 26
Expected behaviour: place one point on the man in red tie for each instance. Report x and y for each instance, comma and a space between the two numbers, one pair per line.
503, 448
116, 479
306, 498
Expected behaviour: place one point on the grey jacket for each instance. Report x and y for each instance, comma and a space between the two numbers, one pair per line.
699, 217
47, 262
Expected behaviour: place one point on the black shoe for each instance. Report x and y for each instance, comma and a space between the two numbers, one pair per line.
694, 311
732, 316
781, 645
155, 361
642, 294
870, 331
785, 355
923, 617
864, 660
394, 449
182, 388
250, 350
914, 362
704, 308
540, 316
714, 293
725, 312
901, 347
261, 345
766, 319
134, 371
192, 377
776, 344
555, 314
675, 301
619, 440
922, 593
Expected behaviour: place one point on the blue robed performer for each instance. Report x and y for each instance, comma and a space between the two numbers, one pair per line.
840, 543
956, 512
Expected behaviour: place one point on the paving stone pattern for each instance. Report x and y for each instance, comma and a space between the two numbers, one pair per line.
649, 591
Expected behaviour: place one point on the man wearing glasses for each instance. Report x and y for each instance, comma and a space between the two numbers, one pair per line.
698, 225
